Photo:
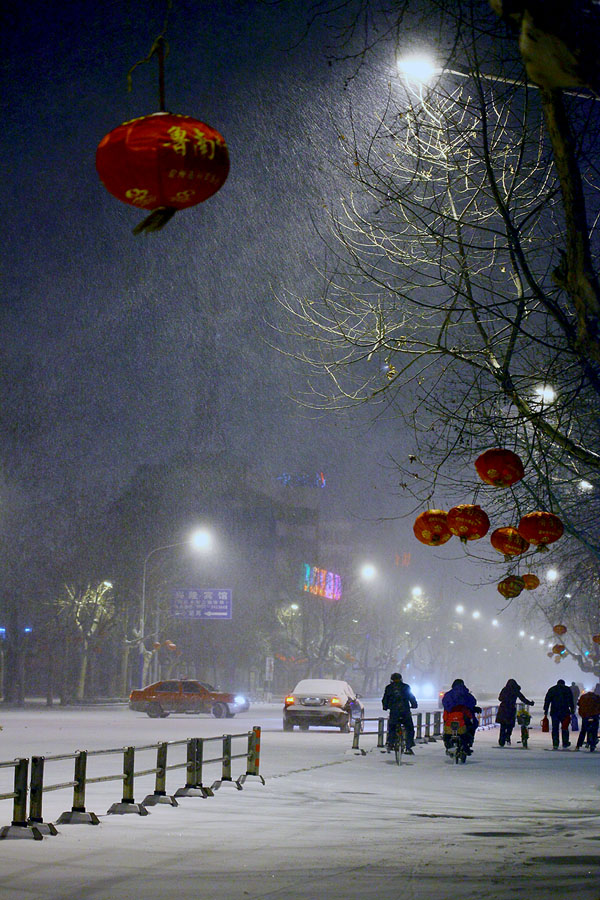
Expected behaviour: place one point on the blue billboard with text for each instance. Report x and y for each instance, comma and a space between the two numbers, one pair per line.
208, 603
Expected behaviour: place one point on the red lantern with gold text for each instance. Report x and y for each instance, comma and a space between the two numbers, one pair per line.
162, 162
502, 468
508, 541
511, 586
531, 581
560, 629
468, 522
559, 648
540, 528
431, 527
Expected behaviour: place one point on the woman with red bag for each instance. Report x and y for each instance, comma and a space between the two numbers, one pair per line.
559, 703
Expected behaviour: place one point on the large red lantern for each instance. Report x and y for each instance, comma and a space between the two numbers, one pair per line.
468, 522
508, 541
559, 648
501, 468
596, 638
531, 581
540, 528
431, 527
560, 629
511, 586
162, 162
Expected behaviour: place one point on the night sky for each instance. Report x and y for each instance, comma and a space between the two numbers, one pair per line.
121, 350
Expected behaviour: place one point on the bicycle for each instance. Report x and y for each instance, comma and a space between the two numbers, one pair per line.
399, 743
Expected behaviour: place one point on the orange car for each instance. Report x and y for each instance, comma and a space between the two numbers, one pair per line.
164, 697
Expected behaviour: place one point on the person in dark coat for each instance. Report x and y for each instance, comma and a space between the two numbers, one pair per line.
559, 703
507, 710
589, 710
399, 700
460, 698
574, 688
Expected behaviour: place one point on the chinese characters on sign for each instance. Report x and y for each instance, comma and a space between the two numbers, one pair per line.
192, 603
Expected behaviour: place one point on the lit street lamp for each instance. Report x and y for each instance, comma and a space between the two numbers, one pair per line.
199, 540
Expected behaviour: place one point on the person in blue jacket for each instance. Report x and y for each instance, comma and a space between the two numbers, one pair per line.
460, 698
399, 700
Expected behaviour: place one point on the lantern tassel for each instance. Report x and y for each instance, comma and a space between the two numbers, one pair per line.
157, 219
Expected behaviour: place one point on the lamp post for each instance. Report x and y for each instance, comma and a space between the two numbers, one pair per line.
200, 540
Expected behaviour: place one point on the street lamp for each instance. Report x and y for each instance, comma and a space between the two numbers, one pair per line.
199, 540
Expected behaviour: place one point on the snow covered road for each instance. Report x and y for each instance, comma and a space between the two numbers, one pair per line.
328, 823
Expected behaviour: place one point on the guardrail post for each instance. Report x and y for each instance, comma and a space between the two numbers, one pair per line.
437, 724
419, 727
380, 732
20, 828
427, 726
226, 767
36, 793
193, 785
128, 804
160, 784
77, 815
252, 757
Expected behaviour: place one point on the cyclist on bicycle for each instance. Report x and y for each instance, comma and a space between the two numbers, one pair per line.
399, 700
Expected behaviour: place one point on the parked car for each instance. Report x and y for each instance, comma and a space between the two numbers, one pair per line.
186, 696
322, 701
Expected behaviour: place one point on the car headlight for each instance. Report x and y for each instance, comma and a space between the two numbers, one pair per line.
239, 700
335, 701
290, 700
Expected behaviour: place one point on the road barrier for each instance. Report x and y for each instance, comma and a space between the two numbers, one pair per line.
33, 825
427, 730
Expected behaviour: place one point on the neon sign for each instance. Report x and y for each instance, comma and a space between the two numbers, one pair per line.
322, 583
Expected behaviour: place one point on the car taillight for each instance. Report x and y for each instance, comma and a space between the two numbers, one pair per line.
335, 701
289, 701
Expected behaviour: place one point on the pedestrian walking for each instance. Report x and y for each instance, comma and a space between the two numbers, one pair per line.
559, 703
589, 710
507, 710
576, 691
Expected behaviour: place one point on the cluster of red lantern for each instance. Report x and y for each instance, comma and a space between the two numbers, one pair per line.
501, 468
168, 645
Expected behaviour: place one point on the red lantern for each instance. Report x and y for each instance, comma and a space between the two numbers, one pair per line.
511, 586
540, 528
550, 654
431, 527
559, 648
162, 162
501, 468
560, 629
508, 541
468, 522
531, 581
157, 645
596, 638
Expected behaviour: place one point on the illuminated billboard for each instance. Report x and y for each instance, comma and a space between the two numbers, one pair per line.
322, 583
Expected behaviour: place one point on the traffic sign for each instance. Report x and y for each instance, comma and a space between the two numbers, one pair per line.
206, 603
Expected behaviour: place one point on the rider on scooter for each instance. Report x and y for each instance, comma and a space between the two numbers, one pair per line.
460, 699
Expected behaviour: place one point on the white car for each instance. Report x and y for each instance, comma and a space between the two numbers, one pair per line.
322, 701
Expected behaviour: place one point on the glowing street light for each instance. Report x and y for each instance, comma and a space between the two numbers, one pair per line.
551, 575
368, 572
545, 393
417, 592
417, 67
476, 614
199, 540
459, 609
495, 623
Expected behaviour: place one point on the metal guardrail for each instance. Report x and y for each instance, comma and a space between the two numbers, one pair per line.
33, 825
428, 727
